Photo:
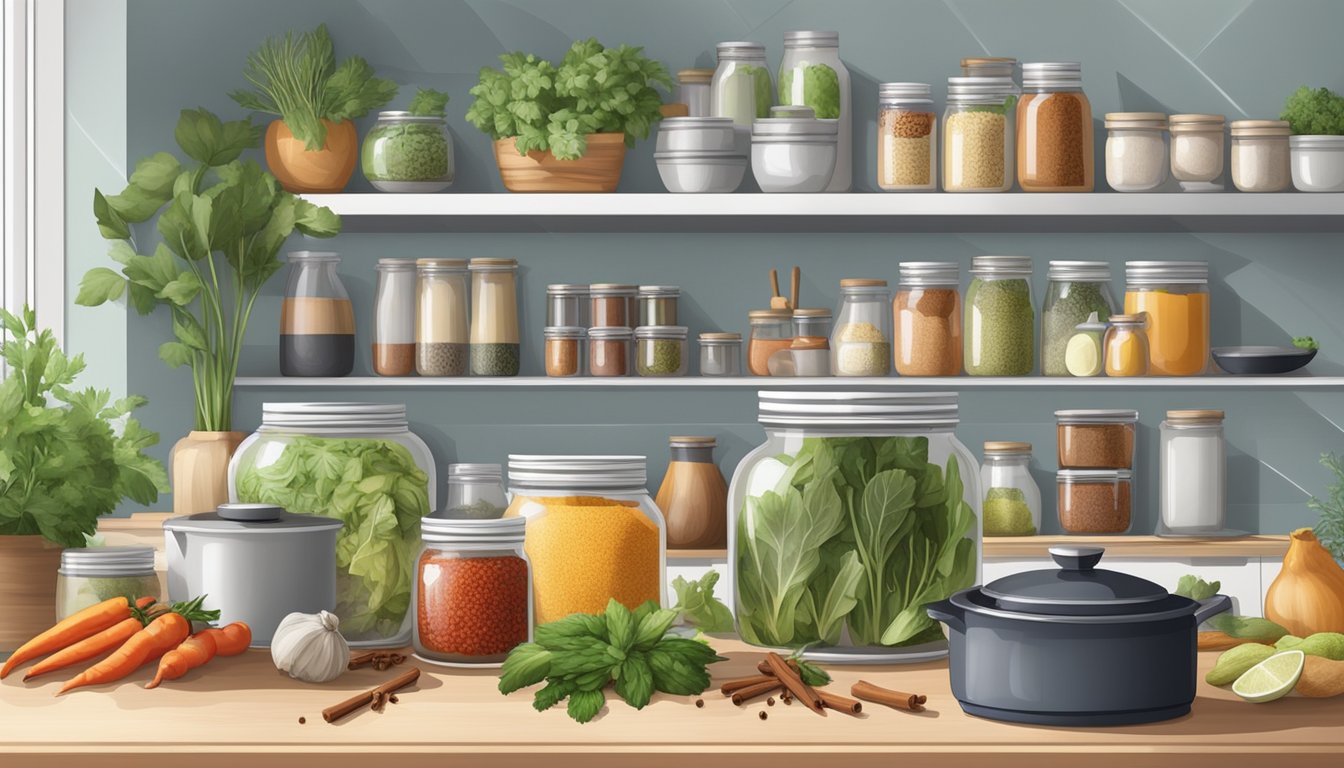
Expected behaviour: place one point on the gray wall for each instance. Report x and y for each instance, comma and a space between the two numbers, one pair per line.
1235, 57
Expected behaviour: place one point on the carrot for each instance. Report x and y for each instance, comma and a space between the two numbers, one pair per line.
87, 648
161, 634
192, 653
74, 628
231, 640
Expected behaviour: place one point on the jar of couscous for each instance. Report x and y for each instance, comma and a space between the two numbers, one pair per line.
861, 341
907, 137
978, 129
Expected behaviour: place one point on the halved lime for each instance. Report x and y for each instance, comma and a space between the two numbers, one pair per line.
1272, 678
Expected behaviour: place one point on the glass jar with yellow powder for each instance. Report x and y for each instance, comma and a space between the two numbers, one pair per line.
1175, 296
1126, 346
593, 532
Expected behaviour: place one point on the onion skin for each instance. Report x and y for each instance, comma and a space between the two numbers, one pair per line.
1308, 595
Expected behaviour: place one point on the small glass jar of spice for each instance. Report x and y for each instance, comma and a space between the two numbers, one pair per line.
658, 304
927, 313
720, 354
609, 351
563, 343
771, 331
660, 350
861, 341
1054, 129
565, 304
494, 317
441, 328
394, 318
613, 305
907, 137
1094, 500
1096, 439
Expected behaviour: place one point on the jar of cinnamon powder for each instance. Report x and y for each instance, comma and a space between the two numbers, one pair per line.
927, 315
1054, 129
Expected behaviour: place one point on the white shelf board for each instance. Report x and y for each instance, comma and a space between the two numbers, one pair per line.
1287, 382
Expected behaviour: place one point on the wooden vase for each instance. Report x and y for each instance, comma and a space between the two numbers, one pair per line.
28, 566
599, 170
199, 464
300, 169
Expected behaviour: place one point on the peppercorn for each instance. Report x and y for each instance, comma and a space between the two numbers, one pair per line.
699, 703
302, 720
763, 714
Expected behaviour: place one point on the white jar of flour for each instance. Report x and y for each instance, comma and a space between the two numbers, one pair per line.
1194, 472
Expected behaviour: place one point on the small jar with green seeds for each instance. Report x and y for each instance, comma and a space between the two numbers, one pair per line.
660, 350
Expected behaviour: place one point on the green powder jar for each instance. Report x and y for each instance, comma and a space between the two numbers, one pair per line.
1000, 326
660, 350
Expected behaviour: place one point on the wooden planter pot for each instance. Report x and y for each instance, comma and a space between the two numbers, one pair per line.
199, 464
28, 566
599, 170
300, 170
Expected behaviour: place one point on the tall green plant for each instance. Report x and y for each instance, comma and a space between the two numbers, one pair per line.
223, 222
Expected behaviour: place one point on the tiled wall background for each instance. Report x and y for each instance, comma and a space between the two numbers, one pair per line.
1235, 57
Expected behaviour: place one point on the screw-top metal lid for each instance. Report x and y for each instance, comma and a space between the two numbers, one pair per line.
611, 333
1001, 266
720, 338
566, 289
107, 562
661, 332
313, 256
1052, 74
659, 291
896, 411
980, 89
492, 265
474, 472
1084, 476
395, 265
697, 76
892, 91
577, 472
739, 49
466, 531
1078, 588
808, 38
1096, 416
1081, 271
380, 418
930, 273
564, 332
1129, 321
612, 289
1141, 273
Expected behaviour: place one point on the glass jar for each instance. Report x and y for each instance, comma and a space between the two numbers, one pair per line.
1054, 129
720, 354
658, 304
990, 66
811, 74
394, 318
613, 305
694, 496
1096, 438
593, 532
1194, 472
812, 322
609, 351
1260, 155
1000, 317
1126, 346
1136, 151
741, 88
1094, 500
565, 304
660, 350
817, 432
409, 153
472, 592
809, 356
441, 330
1085, 354
90, 575
1075, 291
282, 463
494, 317
563, 343
978, 131
771, 332
693, 90
907, 137
1197, 151
1012, 499
475, 492
317, 320
927, 317
861, 342
1175, 296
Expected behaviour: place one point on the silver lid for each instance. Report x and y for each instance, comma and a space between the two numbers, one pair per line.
661, 332
335, 416
250, 519
659, 291
566, 289
1096, 416
611, 333
1083, 271
564, 332
612, 289
809, 38
1052, 74
739, 48
470, 472
313, 256
1094, 475
958, 87
1159, 272
395, 265
930, 273
577, 472
402, 116
903, 91
107, 562
466, 531
887, 411
1001, 266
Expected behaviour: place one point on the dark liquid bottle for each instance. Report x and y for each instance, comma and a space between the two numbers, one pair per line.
317, 319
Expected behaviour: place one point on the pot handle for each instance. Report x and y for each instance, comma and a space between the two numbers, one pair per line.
949, 614
1212, 607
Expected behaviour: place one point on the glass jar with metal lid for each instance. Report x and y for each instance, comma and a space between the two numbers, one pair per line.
1197, 151
720, 354
1126, 345
441, 327
614, 305
475, 492
1175, 296
394, 318
1000, 317
989, 66
742, 87
811, 74
978, 128
1096, 438
1074, 292
563, 344
609, 352
472, 592
658, 304
90, 575
565, 304
812, 322
408, 153
771, 332
927, 317
1260, 155
660, 350
1093, 501
1012, 498
907, 137
1054, 129
494, 317
1194, 472
861, 341
693, 90
1136, 151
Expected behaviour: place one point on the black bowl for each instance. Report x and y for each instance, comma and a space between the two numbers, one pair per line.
1261, 361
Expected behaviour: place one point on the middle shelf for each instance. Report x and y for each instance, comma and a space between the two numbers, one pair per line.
1285, 382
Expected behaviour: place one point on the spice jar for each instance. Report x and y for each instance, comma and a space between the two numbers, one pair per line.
1054, 129
1094, 500
90, 575
742, 88
660, 350
720, 354
408, 153
1175, 297
475, 492
693, 86
1096, 439
1136, 151
861, 342
473, 592
609, 351
927, 316
1075, 291
441, 330
658, 304
394, 318
565, 304
907, 137
1085, 354
613, 305
494, 317
811, 74
562, 349
1197, 151
771, 332
1260, 155
1012, 499
1194, 472
694, 496
1000, 317
1126, 346
317, 320
812, 322
978, 129
989, 66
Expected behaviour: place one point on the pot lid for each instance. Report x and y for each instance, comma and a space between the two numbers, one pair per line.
1076, 588
249, 519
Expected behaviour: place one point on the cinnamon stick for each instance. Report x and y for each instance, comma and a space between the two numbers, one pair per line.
733, 686
910, 702
840, 703
379, 694
764, 667
742, 696
795, 685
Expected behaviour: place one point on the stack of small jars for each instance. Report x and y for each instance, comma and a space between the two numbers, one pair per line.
629, 329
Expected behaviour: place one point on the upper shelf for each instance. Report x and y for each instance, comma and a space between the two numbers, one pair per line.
875, 212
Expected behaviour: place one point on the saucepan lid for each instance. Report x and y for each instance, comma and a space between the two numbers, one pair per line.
1077, 588
249, 519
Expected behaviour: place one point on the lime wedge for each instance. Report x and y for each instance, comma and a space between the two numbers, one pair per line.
1272, 678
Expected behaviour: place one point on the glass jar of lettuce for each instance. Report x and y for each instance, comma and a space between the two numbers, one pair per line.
358, 463
741, 88
408, 153
857, 510
812, 75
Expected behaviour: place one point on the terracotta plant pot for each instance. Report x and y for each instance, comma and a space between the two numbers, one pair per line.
300, 170
199, 464
28, 566
599, 170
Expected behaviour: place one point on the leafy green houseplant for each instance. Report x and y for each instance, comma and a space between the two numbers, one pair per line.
313, 146
1316, 117
566, 128
222, 222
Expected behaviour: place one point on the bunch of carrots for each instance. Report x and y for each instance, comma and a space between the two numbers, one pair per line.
134, 634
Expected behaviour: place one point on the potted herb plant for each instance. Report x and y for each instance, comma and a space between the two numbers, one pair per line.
313, 146
1316, 117
222, 223
566, 128
67, 457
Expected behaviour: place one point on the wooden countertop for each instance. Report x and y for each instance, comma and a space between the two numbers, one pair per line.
240, 711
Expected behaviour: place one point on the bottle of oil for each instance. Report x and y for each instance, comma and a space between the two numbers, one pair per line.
694, 496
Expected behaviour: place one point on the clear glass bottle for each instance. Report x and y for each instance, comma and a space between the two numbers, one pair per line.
317, 320
494, 317
1175, 296
658, 304
1197, 152
563, 344
693, 90
978, 128
614, 305
565, 305
1000, 317
394, 318
907, 137
1126, 346
409, 153
720, 354
441, 328
1136, 151
812, 322
861, 341
741, 88
1054, 129
1194, 472
811, 74
1260, 155
771, 332
475, 492
609, 352
90, 575
927, 316
472, 592
1095, 501
1075, 291
660, 350
1012, 498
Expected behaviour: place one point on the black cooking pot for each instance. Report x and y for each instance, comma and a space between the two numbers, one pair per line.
1076, 646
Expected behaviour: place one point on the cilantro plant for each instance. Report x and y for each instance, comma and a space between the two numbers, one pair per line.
66, 457
594, 90
222, 223
1315, 112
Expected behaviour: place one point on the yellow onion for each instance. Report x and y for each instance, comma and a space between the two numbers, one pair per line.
1308, 594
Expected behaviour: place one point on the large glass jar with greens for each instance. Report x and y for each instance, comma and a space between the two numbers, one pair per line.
1076, 291
408, 153
812, 75
857, 510
1000, 327
741, 88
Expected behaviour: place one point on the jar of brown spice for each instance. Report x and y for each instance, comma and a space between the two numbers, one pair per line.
1094, 500
609, 351
1096, 439
614, 305
927, 314
1054, 129
562, 349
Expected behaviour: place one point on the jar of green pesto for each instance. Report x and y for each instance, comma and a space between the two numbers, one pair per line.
660, 350
408, 153
1000, 327
1076, 291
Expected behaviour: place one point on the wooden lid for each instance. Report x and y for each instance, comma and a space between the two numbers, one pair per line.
690, 441
812, 312
695, 76
1195, 417
862, 282
720, 337
1007, 447
770, 314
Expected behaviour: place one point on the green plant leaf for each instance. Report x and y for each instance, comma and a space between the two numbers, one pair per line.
135, 205
156, 174
699, 607
182, 290
634, 680
526, 665
178, 227
209, 141
584, 705
315, 220
175, 354
1195, 588
98, 286
620, 626
577, 625
110, 224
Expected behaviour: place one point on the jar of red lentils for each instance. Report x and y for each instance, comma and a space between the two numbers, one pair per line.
472, 591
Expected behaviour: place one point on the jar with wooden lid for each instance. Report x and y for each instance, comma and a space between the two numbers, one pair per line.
660, 350
1136, 151
1194, 472
1012, 499
812, 322
441, 327
771, 332
927, 316
861, 341
1126, 345
720, 354
494, 319
1261, 156
989, 66
394, 318
613, 305
1197, 151
563, 343
658, 304
694, 496
609, 351
693, 87
1054, 129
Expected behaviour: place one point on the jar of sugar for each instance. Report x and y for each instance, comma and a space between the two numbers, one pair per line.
1197, 151
1136, 150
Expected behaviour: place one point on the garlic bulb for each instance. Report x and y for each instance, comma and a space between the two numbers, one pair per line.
310, 647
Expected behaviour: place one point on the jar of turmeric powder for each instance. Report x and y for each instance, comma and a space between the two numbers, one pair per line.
1175, 296
1126, 346
593, 532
